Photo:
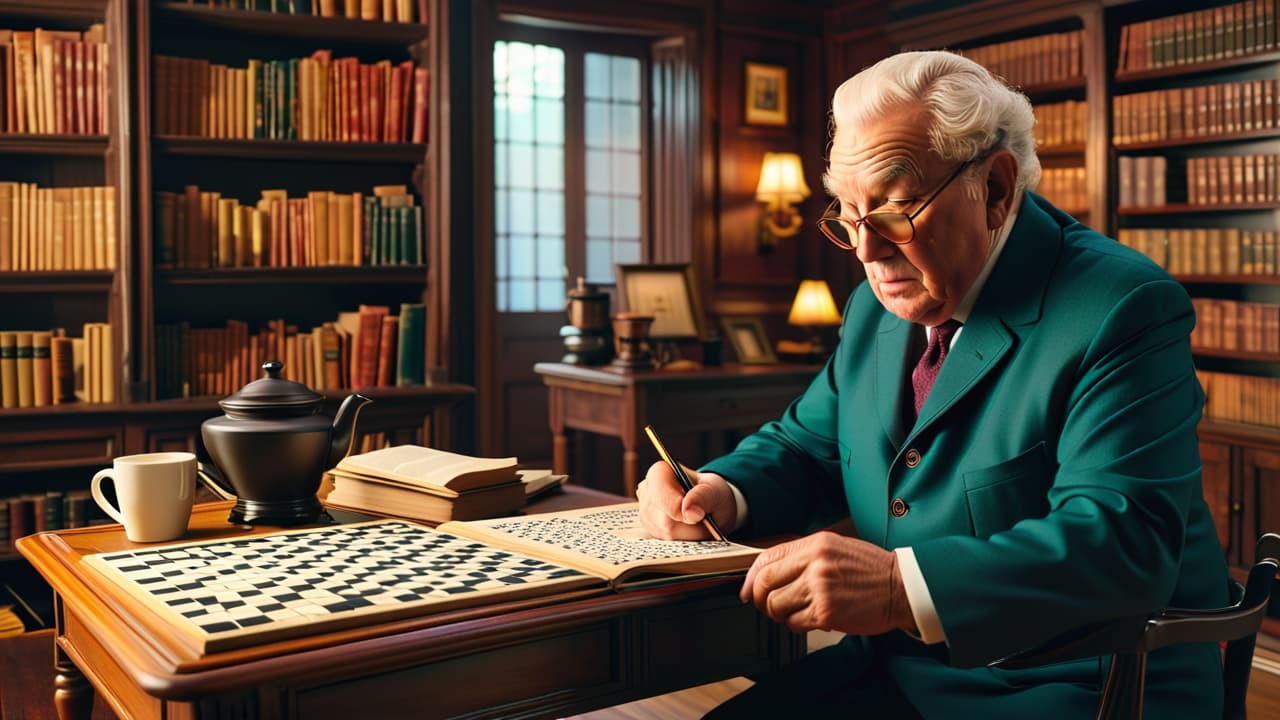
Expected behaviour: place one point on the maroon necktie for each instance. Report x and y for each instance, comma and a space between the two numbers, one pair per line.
931, 362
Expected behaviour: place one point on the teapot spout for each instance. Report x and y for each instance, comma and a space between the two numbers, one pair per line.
344, 426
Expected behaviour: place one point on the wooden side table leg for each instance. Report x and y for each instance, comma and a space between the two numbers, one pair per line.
560, 453
72, 692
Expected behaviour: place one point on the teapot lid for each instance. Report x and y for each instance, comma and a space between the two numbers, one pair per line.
584, 292
273, 395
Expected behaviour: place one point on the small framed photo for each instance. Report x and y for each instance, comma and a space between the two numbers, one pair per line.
749, 342
766, 94
667, 292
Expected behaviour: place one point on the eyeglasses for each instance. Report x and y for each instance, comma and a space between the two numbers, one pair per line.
897, 228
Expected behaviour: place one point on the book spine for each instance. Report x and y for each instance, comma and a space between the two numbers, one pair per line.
8, 369
410, 369
26, 371
42, 369
387, 350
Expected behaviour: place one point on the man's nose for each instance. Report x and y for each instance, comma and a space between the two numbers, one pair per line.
872, 246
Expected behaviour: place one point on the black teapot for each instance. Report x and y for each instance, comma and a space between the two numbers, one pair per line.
272, 447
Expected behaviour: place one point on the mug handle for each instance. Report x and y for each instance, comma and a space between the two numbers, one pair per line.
96, 488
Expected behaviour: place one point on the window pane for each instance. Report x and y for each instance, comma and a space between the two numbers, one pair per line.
550, 214
501, 289
626, 217
595, 124
550, 160
599, 261
598, 175
626, 173
626, 127
598, 219
522, 298
521, 218
521, 265
501, 202
626, 79
500, 130
550, 294
626, 252
551, 263
500, 167
520, 119
520, 173
501, 250
595, 75
549, 72
549, 120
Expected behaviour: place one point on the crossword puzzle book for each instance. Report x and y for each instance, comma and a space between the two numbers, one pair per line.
237, 592
607, 541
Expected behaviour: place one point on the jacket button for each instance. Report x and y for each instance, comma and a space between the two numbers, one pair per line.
913, 457
898, 507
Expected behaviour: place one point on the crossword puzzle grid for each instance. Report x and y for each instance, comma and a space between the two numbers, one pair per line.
584, 535
242, 587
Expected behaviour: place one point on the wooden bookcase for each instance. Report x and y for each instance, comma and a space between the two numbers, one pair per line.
1241, 460
57, 447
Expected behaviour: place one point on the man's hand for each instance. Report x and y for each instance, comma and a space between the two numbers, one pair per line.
666, 512
828, 582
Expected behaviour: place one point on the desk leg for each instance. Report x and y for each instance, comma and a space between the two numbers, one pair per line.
72, 693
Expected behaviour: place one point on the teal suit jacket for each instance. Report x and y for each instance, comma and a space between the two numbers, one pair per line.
1052, 478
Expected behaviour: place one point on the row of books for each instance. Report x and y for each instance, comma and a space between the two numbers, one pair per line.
1233, 179
1206, 251
1241, 398
404, 11
1143, 180
53, 81
44, 368
201, 229
1059, 124
366, 348
1036, 60
1236, 325
1065, 187
1193, 112
22, 515
429, 485
1226, 31
317, 98
64, 228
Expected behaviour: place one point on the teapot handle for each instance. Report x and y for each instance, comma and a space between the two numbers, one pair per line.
214, 481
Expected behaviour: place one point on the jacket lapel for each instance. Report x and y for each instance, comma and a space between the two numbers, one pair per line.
893, 345
1012, 298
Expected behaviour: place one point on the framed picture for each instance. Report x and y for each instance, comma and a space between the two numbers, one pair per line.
667, 292
766, 93
749, 342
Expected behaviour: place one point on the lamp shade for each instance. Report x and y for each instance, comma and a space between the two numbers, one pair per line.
781, 178
813, 305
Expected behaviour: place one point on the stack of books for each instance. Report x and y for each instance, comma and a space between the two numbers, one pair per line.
425, 484
10, 623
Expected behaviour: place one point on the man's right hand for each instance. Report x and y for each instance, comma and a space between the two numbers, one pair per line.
666, 512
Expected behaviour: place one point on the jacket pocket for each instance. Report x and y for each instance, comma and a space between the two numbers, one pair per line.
1000, 495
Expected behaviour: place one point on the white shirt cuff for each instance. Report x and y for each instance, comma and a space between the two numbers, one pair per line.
740, 501
918, 597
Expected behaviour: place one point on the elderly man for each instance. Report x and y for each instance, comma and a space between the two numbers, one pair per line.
1009, 422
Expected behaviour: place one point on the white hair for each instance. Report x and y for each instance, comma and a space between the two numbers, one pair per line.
971, 109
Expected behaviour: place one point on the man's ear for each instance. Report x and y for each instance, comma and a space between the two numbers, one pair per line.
1000, 183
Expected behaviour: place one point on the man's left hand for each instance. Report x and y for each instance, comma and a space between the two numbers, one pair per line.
828, 582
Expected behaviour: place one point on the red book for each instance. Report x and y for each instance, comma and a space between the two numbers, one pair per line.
420, 80
387, 351
367, 342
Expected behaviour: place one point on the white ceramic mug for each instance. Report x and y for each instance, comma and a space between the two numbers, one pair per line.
155, 492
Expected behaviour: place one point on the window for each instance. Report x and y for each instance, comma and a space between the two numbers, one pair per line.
569, 167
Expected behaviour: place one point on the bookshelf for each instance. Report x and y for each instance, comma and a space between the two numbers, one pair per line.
143, 152
1136, 55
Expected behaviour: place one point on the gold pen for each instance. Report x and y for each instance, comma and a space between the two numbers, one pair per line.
683, 479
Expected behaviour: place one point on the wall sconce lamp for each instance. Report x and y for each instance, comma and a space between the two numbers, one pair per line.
781, 185
814, 308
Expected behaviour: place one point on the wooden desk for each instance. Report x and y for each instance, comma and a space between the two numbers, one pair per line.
618, 402
545, 657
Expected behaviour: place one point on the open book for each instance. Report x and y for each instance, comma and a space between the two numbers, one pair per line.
435, 471
235, 592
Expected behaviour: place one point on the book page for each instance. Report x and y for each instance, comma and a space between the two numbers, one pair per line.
428, 467
607, 541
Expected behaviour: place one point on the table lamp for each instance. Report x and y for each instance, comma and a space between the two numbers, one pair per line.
813, 309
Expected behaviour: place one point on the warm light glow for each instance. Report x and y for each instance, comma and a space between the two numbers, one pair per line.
781, 184
781, 179
814, 305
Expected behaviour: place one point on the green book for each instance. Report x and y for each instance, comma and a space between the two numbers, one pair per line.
410, 365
